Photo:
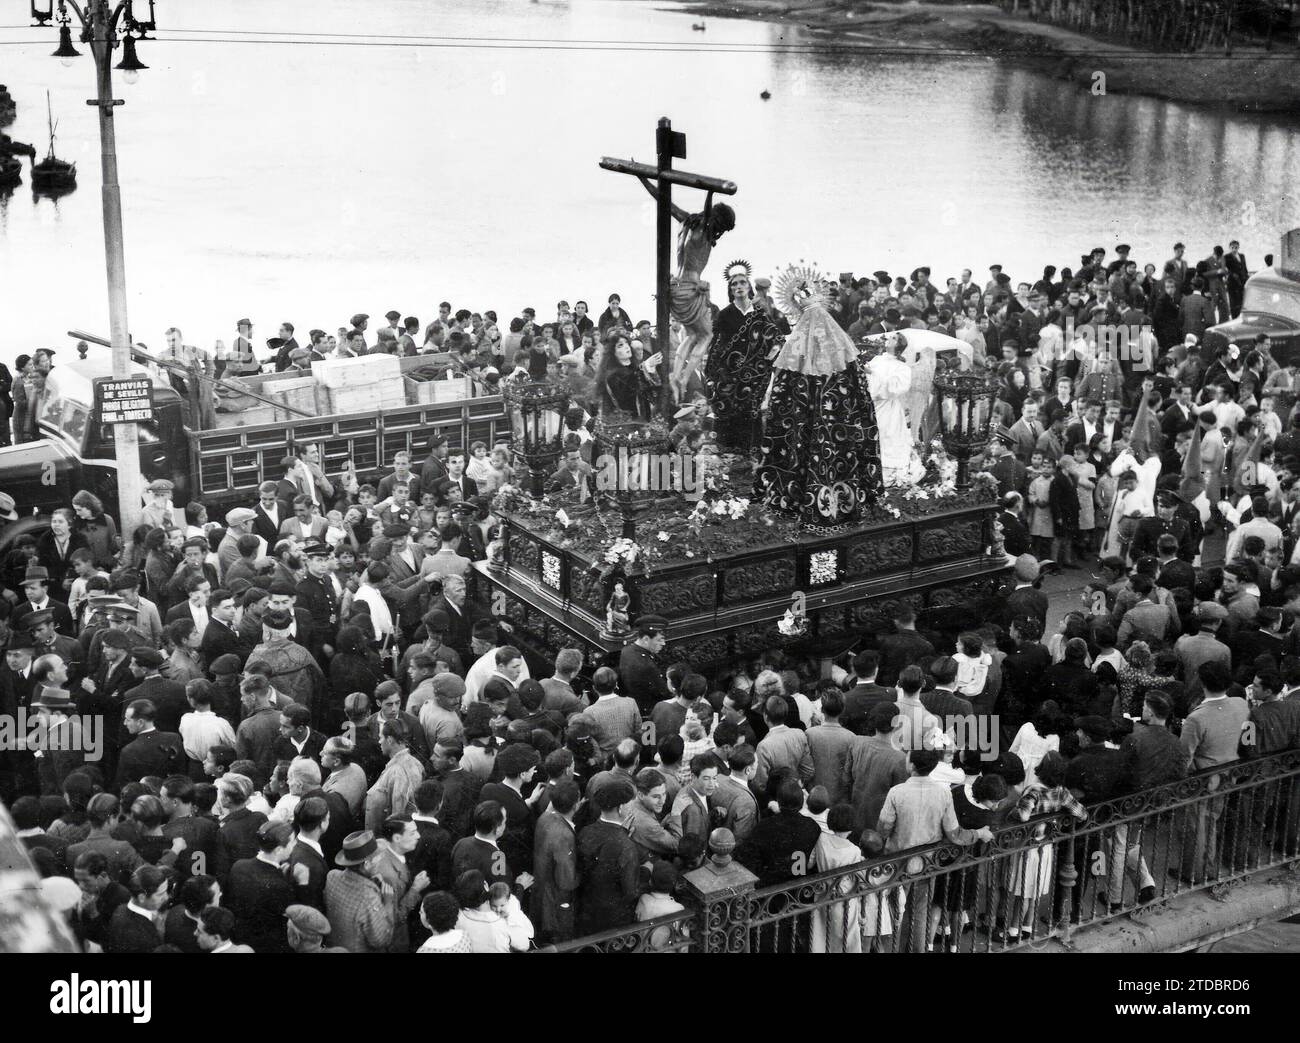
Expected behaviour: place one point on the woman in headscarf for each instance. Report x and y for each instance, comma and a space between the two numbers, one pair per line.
820, 456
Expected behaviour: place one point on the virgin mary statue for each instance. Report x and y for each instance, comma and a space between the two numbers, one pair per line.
819, 458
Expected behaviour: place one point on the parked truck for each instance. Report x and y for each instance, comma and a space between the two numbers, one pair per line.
1270, 304
221, 467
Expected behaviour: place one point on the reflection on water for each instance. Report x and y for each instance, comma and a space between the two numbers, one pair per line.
308, 183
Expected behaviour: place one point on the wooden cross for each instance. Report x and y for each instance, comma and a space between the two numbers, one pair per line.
670, 145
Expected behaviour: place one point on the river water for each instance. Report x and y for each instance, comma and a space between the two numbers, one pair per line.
268, 179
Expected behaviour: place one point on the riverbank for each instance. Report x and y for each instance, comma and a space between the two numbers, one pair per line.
1252, 80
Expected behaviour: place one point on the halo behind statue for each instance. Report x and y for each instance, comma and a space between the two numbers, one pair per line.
797, 286
736, 268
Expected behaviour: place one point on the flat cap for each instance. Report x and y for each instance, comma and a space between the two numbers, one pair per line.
448, 686
308, 920
1211, 611
146, 655
225, 665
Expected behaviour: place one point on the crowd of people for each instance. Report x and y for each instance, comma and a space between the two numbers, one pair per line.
299, 728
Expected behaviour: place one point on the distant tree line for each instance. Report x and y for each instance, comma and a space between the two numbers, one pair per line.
1172, 25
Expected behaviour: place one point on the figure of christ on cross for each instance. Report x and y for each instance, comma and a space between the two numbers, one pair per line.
688, 293
686, 296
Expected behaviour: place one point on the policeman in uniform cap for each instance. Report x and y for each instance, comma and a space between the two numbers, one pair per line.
640, 673
316, 594
473, 545
1149, 530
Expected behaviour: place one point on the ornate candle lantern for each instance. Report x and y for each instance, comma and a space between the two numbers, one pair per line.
537, 409
965, 415
635, 464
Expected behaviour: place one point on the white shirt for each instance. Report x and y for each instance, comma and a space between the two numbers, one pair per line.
199, 613
483, 670
203, 729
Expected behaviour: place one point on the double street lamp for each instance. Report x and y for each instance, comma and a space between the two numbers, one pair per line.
106, 27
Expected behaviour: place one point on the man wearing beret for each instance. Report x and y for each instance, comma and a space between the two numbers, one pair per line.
640, 674
167, 697
294, 671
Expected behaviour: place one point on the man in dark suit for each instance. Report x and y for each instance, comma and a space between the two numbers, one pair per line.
63, 733
341, 821
150, 751
16, 673
902, 648
1025, 599
1181, 414
1174, 571
481, 851
257, 892
36, 588
455, 487
1235, 261
432, 852
133, 927
297, 737
865, 693
237, 837
460, 788
462, 614
168, 697
220, 638
780, 843
555, 866
517, 764
306, 863
270, 512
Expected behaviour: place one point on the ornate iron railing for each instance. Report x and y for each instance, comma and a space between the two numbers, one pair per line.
1034, 882
671, 933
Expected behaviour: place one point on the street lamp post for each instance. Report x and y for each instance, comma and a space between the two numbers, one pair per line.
101, 24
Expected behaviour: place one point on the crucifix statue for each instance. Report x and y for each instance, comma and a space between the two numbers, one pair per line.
686, 295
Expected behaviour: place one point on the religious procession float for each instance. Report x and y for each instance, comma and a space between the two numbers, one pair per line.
836, 486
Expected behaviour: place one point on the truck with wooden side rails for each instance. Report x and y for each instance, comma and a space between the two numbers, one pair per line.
220, 467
